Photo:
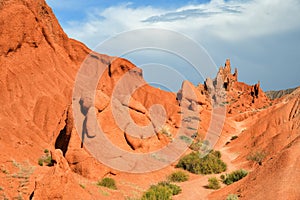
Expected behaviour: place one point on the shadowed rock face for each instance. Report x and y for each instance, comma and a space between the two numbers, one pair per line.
38, 68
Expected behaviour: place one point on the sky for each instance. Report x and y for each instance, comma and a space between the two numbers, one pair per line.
261, 37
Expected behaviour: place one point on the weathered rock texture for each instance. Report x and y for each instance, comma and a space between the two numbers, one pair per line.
38, 65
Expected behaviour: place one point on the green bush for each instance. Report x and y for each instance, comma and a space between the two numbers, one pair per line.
234, 137
161, 191
258, 157
82, 186
46, 158
209, 164
198, 145
232, 197
234, 176
41, 162
165, 130
216, 153
108, 182
178, 176
213, 183
222, 177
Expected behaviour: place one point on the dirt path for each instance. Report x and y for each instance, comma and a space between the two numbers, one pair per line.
195, 189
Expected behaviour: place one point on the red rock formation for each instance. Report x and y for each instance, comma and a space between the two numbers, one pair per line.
275, 132
38, 65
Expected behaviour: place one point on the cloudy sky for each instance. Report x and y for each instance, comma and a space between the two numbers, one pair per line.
261, 37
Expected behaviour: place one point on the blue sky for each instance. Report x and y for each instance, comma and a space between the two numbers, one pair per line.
261, 37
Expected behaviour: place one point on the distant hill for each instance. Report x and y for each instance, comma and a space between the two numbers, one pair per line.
273, 94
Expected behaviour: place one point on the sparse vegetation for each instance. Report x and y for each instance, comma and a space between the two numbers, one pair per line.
45, 159
191, 128
165, 130
213, 183
132, 198
194, 135
232, 197
185, 139
234, 176
257, 157
41, 162
179, 176
222, 177
82, 186
209, 164
161, 191
198, 145
5, 171
107, 182
104, 192
22, 176
234, 137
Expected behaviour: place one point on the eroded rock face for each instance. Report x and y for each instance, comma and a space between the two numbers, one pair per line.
38, 65
238, 97
274, 132
56, 182
224, 81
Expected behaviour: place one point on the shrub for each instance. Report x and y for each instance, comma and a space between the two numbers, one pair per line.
161, 191
41, 162
232, 197
132, 198
46, 158
222, 177
213, 183
198, 145
216, 153
108, 182
234, 176
234, 137
46, 151
209, 164
185, 139
165, 130
178, 176
258, 157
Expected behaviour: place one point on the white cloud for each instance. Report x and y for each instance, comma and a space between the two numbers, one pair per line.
232, 20
220, 26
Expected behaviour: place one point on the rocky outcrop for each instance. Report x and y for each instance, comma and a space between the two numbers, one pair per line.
189, 97
38, 65
56, 182
255, 91
238, 97
217, 88
224, 79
